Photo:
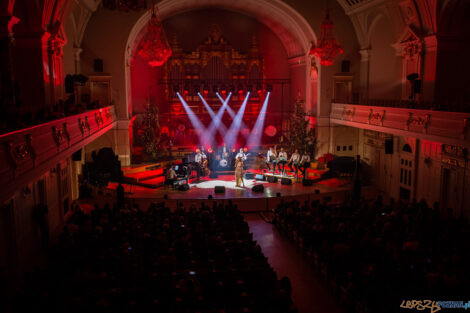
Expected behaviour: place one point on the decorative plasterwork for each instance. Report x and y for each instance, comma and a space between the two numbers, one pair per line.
348, 114
60, 134
21, 151
410, 45
376, 118
418, 121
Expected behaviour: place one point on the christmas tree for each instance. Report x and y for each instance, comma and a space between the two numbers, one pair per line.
150, 134
301, 135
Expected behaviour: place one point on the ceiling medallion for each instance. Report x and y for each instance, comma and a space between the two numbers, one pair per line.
327, 48
154, 47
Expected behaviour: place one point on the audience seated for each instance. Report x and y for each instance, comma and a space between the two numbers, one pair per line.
374, 256
132, 260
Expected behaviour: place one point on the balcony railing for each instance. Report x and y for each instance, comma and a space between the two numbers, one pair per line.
446, 127
29, 152
412, 104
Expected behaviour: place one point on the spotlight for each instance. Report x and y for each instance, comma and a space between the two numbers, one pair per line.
224, 90
259, 89
196, 89
176, 88
206, 90
210, 150
240, 89
232, 88
269, 88
186, 89
245, 149
249, 88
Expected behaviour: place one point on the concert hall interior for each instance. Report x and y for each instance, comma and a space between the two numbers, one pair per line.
234, 155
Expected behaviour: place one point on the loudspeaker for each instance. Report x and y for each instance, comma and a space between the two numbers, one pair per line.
389, 146
219, 189
77, 156
272, 179
345, 66
213, 175
249, 175
417, 86
412, 76
257, 188
260, 177
184, 187
98, 65
286, 181
307, 182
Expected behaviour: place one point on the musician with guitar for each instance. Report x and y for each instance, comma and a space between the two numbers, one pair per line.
201, 164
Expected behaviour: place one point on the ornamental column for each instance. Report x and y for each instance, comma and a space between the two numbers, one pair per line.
364, 72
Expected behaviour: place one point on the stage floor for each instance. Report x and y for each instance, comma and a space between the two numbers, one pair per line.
206, 186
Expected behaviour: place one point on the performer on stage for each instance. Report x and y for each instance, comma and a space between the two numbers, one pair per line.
281, 161
304, 162
239, 171
170, 176
224, 151
271, 158
241, 154
199, 160
294, 162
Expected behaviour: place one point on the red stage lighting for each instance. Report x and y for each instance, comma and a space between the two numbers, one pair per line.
245, 149
233, 150
210, 150
259, 89
206, 90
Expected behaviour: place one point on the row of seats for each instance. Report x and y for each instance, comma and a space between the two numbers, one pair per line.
374, 256
189, 260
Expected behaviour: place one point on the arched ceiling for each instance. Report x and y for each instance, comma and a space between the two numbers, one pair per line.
289, 26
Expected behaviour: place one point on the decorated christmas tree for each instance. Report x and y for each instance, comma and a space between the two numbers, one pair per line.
150, 134
301, 134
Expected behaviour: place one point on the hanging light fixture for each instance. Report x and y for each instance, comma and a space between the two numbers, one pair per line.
327, 48
154, 47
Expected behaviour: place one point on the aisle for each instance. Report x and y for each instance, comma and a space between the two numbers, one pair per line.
308, 291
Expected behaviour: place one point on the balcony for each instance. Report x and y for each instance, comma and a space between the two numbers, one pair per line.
446, 127
412, 104
28, 153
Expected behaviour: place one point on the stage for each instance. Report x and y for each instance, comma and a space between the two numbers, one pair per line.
331, 190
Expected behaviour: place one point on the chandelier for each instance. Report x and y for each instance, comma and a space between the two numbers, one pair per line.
327, 48
154, 47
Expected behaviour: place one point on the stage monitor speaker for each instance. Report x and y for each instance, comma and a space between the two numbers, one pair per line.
213, 175
260, 177
417, 86
249, 175
345, 66
272, 179
257, 188
219, 189
184, 187
77, 156
307, 182
286, 181
389, 146
98, 65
